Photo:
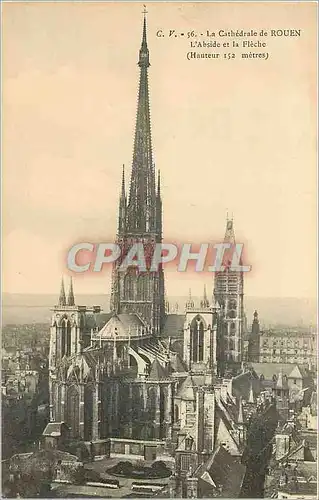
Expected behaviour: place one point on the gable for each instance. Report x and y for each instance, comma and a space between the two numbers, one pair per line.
295, 373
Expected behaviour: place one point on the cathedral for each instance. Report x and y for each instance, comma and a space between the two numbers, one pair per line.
138, 381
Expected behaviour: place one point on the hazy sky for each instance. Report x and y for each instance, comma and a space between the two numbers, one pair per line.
237, 135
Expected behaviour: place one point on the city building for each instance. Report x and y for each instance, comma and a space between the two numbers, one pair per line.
282, 346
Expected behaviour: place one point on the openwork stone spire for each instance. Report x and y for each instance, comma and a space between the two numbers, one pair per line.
62, 298
142, 200
71, 301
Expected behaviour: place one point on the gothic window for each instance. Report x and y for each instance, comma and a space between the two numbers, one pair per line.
82, 322
188, 443
152, 401
189, 406
231, 345
232, 314
232, 304
73, 411
63, 338
197, 339
129, 287
68, 339
142, 287
88, 411
58, 416
176, 413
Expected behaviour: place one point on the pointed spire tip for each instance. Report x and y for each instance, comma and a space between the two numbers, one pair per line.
62, 297
71, 301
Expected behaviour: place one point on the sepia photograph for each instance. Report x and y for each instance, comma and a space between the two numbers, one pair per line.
159, 249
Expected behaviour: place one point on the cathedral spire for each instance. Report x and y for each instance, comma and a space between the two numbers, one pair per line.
229, 234
123, 182
122, 206
142, 199
159, 206
144, 52
62, 299
159, 184
71, 301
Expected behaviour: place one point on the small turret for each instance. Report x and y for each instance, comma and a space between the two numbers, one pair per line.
204, 302
190, 302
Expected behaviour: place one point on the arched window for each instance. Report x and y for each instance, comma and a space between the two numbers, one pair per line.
142, 287
68, 339
232, 304
197, 339
188, 443
88, 411
129, 287
176, 413
73, 411
231, 345
63, 338
152, 402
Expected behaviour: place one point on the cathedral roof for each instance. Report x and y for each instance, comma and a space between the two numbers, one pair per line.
174, 325
131, 320
102, 319
122, 325
158, 372
177, 363
153, 350
81, 366
188, 388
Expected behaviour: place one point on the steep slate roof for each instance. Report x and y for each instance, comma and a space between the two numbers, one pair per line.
123, 322
53, 429
178, 364
102, 319
224, 471
187, 389
157, 371
242, 384
130, 320
270, 369
174, 325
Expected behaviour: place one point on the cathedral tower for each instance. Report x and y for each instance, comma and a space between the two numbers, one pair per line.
200, 336
140, 218
229, 294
